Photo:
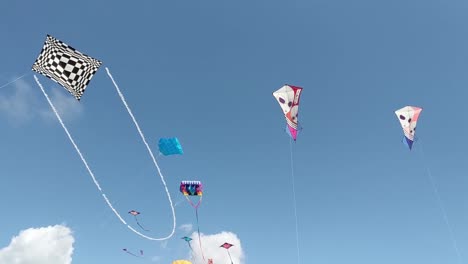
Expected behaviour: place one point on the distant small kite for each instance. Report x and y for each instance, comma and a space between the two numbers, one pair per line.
170, 146
227, 246
130, 253
188, 239
135, 213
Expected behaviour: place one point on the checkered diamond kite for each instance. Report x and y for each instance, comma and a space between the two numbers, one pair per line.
66, 66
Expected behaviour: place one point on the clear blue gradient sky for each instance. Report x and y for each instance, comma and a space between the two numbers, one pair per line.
204, 71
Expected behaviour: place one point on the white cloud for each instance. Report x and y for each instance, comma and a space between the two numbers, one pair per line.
66, 105
186, 227
156, 259
179, 202
211, 248
22, 103
45, 245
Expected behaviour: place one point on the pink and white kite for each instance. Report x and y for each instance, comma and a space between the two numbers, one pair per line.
288, 98
408, 117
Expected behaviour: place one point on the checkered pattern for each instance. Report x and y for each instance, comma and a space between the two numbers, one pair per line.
66, 66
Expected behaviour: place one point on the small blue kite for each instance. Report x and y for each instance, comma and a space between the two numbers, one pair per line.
170, 146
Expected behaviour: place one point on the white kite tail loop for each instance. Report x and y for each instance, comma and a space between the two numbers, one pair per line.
91, 172
149, 151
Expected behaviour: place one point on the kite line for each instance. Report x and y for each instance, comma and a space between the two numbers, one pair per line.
227, 246
408, 117
288, 98
198, 230
294, 197
5, 85
94, 178
441, 207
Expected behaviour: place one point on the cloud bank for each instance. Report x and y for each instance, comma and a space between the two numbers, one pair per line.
212, 250
186, 227
22, 104
19, 105
45, 245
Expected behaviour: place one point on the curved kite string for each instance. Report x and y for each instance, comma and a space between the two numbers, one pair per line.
92, 174
441, 206
149, 151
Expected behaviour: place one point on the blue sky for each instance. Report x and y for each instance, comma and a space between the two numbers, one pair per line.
204, 71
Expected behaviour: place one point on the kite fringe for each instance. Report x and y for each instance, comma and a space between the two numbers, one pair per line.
89, 169
441, 206
150, 153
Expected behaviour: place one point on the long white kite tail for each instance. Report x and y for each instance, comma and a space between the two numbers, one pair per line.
149, 150
94, 178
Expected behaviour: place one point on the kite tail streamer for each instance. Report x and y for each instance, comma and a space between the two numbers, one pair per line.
294, 196
190, 246
128, 252
441, 207
198, 230
89, 169
138, 223
149, 151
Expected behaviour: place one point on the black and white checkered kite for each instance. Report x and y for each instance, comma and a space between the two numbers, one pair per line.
74, 70
66, 66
